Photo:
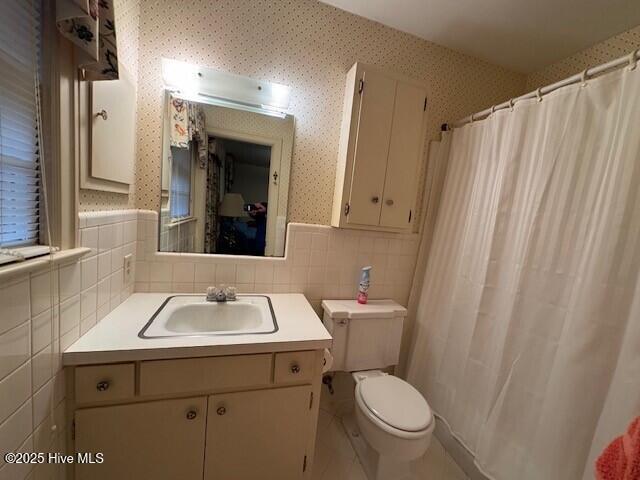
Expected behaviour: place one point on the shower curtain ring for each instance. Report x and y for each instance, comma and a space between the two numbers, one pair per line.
493, 109
633, 60
539, 94
511, 103
471, 121
585, 77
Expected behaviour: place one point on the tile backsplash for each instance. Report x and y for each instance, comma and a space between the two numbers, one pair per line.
320, 262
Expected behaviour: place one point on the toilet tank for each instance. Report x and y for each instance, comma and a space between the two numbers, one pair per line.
365, 337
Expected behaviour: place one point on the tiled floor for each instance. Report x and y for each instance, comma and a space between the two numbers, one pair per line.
336, 459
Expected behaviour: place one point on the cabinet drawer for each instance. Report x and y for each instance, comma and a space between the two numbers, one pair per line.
204, 374
294, 367
98, 383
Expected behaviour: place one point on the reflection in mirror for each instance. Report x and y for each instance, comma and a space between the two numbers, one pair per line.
225, 178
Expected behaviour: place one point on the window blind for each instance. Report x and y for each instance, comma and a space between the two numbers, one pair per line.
19, 153
180, 192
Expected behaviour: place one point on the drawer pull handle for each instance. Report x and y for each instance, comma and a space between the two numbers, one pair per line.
375, 199
221, 411
295, 368
191, 414
102, 386
389, 202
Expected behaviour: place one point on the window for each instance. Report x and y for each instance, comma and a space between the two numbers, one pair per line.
180, 190
20, 196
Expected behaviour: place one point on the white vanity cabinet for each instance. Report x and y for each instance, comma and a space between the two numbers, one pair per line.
235, 417
381, 147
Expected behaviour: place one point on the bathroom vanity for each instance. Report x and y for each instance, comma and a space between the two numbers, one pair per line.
196, 405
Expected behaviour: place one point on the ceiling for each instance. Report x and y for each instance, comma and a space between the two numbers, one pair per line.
522, 35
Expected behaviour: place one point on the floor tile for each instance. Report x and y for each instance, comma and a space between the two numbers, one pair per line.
335, 458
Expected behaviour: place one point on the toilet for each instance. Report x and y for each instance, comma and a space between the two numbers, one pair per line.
392, 423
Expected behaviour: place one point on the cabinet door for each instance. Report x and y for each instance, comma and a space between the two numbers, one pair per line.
113, 134
158, 440
405, 151
371, 148
258, 434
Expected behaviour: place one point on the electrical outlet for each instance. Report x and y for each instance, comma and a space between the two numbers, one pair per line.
127, 268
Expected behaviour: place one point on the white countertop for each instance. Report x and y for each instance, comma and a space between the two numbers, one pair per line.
115, 338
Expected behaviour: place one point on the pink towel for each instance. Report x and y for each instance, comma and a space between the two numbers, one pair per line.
621, 459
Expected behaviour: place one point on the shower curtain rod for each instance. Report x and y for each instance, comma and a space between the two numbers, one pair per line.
628, 60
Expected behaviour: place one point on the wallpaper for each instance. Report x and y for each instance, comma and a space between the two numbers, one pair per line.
309, 46
614, 47
127, 15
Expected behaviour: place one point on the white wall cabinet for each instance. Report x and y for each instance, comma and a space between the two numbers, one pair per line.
108, 133
239, 417
381, 147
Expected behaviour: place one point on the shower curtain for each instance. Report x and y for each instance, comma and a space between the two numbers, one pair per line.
527, 335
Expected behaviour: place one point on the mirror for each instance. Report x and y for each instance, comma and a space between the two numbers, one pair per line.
225, 172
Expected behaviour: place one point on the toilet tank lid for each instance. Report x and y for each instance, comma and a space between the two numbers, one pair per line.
372, 309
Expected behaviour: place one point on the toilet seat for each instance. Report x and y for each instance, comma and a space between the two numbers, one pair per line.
394, 405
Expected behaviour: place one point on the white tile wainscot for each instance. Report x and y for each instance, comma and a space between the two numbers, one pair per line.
320, 262
75, 294
111, 235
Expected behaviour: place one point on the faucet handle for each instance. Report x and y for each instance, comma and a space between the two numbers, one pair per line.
211, 293
231, 293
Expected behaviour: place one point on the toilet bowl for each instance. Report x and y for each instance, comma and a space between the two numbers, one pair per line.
395, 422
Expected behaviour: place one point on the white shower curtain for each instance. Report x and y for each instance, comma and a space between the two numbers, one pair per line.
527, 336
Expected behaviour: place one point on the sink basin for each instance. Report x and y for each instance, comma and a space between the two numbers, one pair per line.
192, 315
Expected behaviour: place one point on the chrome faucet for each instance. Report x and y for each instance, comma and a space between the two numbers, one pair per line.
221, 294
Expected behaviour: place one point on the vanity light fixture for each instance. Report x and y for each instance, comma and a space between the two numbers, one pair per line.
207, 85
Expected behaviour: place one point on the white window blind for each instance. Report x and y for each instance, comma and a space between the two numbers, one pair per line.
19, 162
180, 192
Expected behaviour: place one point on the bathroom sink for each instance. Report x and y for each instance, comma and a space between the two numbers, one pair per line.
192, 315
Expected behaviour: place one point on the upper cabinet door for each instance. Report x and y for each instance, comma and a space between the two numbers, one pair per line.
113, 129
405, 152
371, 147
380, 151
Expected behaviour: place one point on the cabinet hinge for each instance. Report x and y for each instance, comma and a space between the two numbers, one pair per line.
425, 105
73, 429
410, 212
360, 86
310, 400
304, 464
347, 207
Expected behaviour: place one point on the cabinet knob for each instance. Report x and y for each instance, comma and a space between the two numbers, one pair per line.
103, 113
389, 202
221, 411
102, 386
295, 368
375, 199
191, 414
